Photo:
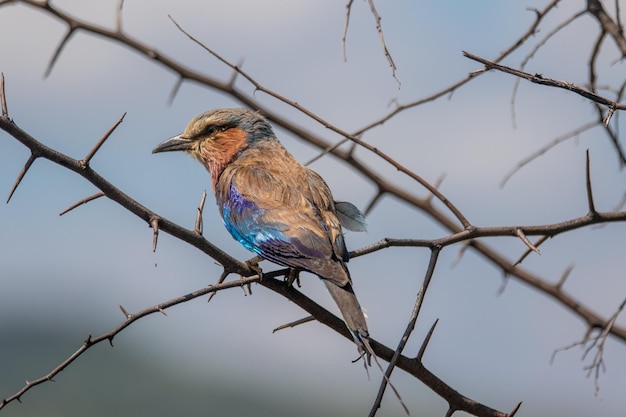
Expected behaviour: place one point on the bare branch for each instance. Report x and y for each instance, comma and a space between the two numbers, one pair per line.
615, 30
129, 319
562, 138
115, 194
597, 342
532, 53
419, 300
457, 213
379, 28
540, 14
540, 79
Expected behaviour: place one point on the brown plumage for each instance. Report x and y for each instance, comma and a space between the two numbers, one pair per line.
273, 205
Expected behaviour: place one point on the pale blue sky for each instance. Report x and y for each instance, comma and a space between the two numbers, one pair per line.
74, 270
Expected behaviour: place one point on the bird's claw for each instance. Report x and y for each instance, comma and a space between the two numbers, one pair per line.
254, 265
293, 276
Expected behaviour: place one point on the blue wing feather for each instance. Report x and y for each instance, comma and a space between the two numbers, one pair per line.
254, 227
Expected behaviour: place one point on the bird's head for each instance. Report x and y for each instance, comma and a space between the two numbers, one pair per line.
217, 137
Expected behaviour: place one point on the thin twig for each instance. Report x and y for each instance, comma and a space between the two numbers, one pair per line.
129, 319
562, 138
540, 79
532, 53
345, 30
379, 29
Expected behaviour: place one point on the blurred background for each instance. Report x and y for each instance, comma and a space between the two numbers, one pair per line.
62, 278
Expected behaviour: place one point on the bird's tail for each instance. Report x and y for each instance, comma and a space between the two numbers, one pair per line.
352, 313
355, 321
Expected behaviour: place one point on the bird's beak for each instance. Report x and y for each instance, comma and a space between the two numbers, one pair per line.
176, 143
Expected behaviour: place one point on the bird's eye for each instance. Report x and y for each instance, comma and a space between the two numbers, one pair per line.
210, 130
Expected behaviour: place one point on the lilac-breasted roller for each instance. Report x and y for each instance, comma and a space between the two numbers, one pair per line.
272, 204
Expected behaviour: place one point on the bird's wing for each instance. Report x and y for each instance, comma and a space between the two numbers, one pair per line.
286, 218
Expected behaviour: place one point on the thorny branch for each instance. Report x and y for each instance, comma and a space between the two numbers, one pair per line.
192, 237
128, 320
540, 79
411, 366
594, 342
468, 234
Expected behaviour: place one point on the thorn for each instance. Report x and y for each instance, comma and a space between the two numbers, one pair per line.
517, 407
57, 52
92, 152
162, 312
154, 222
20, 176
505, 280
118, 16
607, 119
528, 251
592, 207
294, 324
233, 78
564, 277
422, 350
81, 202
522, 236
3, 99
174, 93
461, 252
219, 281
199, 225
436, 185
126, 313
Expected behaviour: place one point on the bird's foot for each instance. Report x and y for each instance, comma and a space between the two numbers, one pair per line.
254, 265
293, 276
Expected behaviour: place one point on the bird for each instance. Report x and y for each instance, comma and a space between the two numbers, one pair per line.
274, 206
